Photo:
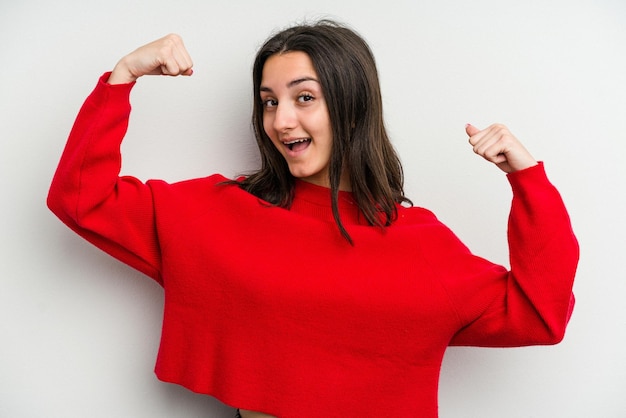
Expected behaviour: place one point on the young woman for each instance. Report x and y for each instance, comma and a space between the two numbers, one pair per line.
312, 288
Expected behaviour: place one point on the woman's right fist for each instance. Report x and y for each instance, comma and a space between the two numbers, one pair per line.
165, 56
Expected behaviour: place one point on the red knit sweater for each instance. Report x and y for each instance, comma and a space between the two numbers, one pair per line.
272, 310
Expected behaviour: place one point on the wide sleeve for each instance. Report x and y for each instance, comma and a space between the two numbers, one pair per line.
114, 213
532, 302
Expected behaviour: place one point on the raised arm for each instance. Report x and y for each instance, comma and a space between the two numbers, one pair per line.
165, 56
114, 213
498, 145
531, 303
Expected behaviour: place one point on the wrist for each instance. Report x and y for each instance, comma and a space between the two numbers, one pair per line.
523, 164
121, 74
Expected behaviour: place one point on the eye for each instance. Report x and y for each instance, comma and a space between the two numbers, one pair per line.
269, 103
305, 97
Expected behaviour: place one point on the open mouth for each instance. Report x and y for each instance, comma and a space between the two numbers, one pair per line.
298, 144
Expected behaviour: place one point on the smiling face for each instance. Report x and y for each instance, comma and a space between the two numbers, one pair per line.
295, 115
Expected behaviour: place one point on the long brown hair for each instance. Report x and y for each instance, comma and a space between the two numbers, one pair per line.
348, 76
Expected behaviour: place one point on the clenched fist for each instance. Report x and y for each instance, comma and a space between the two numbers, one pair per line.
498, 145
165, 56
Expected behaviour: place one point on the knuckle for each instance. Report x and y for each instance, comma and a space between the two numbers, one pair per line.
169, 42
173, 37
501, 129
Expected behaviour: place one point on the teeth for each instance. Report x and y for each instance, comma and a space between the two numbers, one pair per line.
295, 141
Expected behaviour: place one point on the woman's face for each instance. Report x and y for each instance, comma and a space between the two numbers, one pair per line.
295, 115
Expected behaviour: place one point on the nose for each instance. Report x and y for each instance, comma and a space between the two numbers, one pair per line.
284, 118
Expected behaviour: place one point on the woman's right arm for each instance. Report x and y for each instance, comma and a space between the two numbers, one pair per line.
114, 213
165, 56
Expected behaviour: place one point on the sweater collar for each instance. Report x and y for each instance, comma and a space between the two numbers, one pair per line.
311, 199
320, 195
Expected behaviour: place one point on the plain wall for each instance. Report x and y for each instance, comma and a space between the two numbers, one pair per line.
79, 331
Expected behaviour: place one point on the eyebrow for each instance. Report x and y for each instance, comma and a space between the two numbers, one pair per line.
291, 83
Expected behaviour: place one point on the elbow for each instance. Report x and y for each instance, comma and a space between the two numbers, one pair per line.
53, 201
551, 335
555, 337
556, 333
61, 204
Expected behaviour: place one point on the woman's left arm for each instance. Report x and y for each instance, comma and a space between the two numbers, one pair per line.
497, 144
531, 303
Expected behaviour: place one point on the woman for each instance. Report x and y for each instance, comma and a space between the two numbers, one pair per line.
308, 289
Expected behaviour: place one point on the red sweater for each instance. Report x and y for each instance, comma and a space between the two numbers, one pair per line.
272, 310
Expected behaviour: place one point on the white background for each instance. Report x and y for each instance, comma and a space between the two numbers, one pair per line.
79, 331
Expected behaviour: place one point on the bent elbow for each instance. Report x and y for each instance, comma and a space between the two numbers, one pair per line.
556, 333
61, 204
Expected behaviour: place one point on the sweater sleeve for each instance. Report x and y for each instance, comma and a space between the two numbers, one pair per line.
532, 303
114, 213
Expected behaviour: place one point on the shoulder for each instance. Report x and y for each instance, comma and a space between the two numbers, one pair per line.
190, 185
197, 190
214, 196
422, 225
415, 215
